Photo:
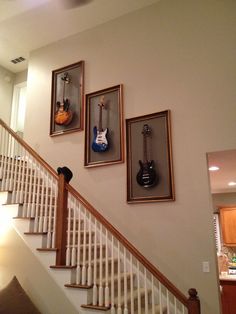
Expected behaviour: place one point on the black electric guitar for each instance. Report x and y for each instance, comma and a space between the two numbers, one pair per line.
146, 177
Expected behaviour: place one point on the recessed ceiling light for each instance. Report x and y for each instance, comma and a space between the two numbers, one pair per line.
214, 168
232, 183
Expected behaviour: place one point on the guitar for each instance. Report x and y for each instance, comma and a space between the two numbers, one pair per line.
100, 143
64, 115
146, 176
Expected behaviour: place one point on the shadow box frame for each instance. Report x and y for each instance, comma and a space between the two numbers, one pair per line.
161, 150
76, 97
112, 119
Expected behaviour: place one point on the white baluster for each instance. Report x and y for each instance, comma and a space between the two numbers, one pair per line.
4, 166
41, 209
125, 284
84, 251
25, 189
37, 207
119, 310
138, 282
28, 214
175, 304
31, 205
145, 291
73, 252
18, 175
12, 164
153, 299
160, 297
106, 273
95, 289
168, 301
49, 234
68, 257
15, 170
131, 285
1, 152
89, 270
54, 195
9, 164
78, 270
100, 291
45, 217
23, 178
112, 277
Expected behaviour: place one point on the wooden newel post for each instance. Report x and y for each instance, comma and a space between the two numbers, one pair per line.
193, 302
61, 221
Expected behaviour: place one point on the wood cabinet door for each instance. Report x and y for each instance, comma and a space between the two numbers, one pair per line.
228, 297
228, 225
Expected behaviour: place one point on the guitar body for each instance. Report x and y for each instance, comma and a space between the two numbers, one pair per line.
100, 143
146, 177
63, 117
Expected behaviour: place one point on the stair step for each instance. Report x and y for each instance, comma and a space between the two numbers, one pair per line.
128, 297
95, 307
78, 286
46, 249
62, 267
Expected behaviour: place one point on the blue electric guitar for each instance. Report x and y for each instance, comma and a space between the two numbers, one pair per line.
100, 143
146, 176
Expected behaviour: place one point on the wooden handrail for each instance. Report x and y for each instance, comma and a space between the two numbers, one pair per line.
30, 150
178, 294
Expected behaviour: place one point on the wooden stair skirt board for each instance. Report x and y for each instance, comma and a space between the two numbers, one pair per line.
88, 248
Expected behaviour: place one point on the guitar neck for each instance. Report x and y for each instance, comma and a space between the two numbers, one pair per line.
100, 118
145, 157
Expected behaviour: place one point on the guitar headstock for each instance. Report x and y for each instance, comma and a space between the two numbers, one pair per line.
146, 130
102, 102
66, 78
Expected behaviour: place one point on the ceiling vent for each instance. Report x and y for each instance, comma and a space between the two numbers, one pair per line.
18, 60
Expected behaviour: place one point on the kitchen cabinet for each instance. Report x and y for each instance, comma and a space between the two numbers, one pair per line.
228, 225
228, 293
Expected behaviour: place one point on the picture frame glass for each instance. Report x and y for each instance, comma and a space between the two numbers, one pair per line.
67, 84
149, 163
108, 118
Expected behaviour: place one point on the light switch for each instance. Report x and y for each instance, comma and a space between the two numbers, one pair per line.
206, 267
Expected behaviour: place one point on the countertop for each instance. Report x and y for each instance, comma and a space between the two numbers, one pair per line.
228, 277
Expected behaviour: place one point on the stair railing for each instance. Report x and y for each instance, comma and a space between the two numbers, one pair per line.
121, 278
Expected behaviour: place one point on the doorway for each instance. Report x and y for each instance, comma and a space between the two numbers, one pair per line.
222, 174
18, 108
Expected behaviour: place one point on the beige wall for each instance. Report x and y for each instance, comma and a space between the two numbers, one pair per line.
20, 77
17, 260
223, 199
177, 55
6, 90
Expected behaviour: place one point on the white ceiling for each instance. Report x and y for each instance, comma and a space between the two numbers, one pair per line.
26, 25
226, 161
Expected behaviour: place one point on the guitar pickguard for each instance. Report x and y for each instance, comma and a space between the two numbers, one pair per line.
100, 143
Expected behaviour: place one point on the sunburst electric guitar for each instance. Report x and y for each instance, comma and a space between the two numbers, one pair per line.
146, 176
100, 142
64, 115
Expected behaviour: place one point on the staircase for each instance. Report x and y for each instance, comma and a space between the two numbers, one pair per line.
98, 263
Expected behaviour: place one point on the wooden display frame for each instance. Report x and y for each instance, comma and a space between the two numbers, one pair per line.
67, 82
157, 183
104, 108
